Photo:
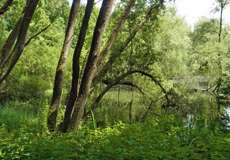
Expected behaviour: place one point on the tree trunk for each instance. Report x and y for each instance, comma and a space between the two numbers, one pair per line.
90, 67
76, 65
116, 30
20, 43
219, 81
103, 68
9, 43
221, 22
59, 77
130, 111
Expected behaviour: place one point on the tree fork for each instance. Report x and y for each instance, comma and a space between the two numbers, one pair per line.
90, 67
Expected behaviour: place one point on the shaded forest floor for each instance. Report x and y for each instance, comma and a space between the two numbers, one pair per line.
24, 136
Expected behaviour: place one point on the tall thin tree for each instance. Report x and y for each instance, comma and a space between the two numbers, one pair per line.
221, 6
91, 64
59, 76
104, 67
76, 65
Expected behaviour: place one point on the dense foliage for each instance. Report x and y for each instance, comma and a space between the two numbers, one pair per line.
163, 137
174, 106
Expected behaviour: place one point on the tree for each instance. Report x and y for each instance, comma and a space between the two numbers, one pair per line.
90, 66
221, 6
79, 95
17, 40
209, 59
104, 67
36, 67
76, 65
154, 50
59, 77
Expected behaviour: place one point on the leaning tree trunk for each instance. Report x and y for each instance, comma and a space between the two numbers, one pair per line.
9, 43
91, 65
76, 65
103, 68
18, 48
116, 30
59, 77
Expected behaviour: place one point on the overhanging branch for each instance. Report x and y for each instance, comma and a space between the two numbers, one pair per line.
119, 79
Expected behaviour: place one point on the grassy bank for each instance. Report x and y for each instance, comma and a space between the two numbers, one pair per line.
23, 136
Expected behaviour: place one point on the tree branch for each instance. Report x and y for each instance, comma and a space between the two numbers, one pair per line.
5, 51
127, 83
20, 43
119, 79
145, 114
6, 6
103, 68
116, 30
36, 35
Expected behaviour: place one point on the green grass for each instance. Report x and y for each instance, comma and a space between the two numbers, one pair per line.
17, 115
156, 139
24, 136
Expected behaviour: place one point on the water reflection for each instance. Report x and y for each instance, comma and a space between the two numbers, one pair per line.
227, 110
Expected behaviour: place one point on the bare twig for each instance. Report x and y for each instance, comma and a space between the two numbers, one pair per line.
36, 35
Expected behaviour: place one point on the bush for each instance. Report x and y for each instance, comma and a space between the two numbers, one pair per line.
26, 88
152, 140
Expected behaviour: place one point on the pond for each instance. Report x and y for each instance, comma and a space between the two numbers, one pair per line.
227, 109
